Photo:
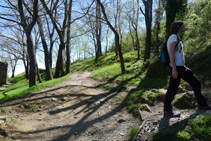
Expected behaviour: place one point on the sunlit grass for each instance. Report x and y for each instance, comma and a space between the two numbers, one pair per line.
21, 87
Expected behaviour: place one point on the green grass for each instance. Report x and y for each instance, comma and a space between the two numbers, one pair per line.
133, 132
21, 87
137, 98
198, 129
139, 73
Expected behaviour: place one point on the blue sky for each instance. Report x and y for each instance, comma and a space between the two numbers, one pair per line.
20, 67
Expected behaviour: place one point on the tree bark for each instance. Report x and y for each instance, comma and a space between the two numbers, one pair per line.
59, 63
171, 11
38, 75
98, 31
45, 48
32, 60
117, 42
68, 49
148, 21
31, 50
13, 68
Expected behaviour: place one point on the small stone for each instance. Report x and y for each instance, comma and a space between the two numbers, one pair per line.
76, 133
155, 122
64, 99
122, 134
54, 99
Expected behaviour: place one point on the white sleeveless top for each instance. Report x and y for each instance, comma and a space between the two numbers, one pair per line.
178, 54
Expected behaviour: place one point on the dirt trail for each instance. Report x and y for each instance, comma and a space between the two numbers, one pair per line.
74, 110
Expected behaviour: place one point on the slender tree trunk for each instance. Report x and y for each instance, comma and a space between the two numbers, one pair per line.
26, 66
136, 30
32, 59
68, 49
171, 11
137, 45
98, 31
131, 35
148, 21
30, 48
38, 74
59, 63
106, 42
157, 38
51, 53
45, 47
117, 42
13, 69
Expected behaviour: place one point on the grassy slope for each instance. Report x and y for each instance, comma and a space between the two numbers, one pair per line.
20, 86
147, 77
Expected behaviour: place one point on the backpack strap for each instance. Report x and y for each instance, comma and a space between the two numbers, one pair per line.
178, 40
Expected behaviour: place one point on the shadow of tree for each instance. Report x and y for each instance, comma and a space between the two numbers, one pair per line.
166, 128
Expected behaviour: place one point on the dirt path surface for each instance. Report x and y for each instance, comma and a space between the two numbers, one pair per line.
74, 110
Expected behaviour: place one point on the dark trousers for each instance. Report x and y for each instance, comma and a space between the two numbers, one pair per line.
187, 75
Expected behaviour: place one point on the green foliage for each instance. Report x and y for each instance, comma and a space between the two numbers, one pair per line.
17, 78
197, 38
136, 99
183, 136
107, 72
144, 75
133, 132
198, 129
21, 88
187, 101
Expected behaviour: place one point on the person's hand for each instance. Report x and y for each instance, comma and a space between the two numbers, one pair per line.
174, 73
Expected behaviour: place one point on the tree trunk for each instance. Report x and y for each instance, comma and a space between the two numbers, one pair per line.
137, 45
118, 45
59, 63
157, 38
26, 64
68, 49
51, 53
38, 74
45, 47
131, 35
148, 21
170, 15
30, 48
98, 31
32, 59
13, 69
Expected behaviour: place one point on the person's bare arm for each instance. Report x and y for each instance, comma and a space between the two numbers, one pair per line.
172, 59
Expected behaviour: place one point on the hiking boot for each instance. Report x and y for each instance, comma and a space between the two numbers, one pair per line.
171, 114
204, 107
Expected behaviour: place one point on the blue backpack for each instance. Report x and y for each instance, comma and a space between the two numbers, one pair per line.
164, 56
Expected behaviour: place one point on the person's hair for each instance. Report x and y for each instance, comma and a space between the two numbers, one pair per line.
175, 26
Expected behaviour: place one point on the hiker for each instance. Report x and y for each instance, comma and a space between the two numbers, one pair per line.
178, 70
